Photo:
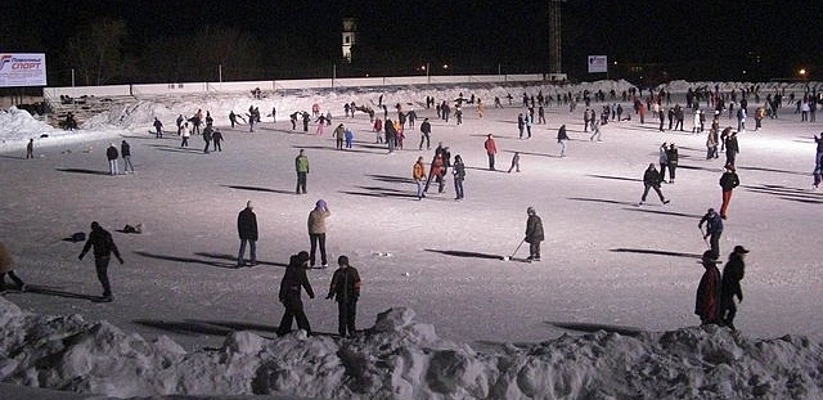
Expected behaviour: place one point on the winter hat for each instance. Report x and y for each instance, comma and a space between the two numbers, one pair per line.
343, 260
530, 210
302, 257
321, 204
248, 204
708, 256
740, 250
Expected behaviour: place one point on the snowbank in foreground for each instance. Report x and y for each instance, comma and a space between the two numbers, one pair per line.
401, 358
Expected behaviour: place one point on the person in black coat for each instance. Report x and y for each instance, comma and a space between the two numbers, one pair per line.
425, 134
728, 181
534, 234
732, 148
651, 180
733, 273
459, 173
291, 286
247, 229
671, 161
112, 155
103, 245
714, 228
125, 152
345, 288
217, 138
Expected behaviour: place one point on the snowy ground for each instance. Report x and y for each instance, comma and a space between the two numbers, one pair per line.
607, 264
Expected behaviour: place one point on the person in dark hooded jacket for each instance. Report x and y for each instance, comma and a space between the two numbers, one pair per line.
534, 234
101, 242
733, 273
247, 230
651, 180
345, 288
291, 286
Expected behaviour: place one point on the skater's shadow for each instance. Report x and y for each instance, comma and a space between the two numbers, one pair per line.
194, 327
392, 179
656, 252
787, 193
485, 169
615, 178
694, 168
187, 260
780, 171
669, 213
258, 189
593, 327
176, 149
608, 201
83, 171
229, 257
12, 157
383, 194
526, 153
467, 254
54, 291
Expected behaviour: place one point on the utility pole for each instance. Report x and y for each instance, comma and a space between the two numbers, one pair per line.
555, 41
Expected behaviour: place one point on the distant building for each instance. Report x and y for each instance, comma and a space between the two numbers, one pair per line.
349, 37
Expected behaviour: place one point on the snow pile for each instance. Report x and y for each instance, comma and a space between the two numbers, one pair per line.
401, 358
681, 86
19, 125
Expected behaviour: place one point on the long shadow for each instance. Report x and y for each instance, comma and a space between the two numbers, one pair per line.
486, 169
233, 258
592, 328
526, 153
781, 171
183, 150
12, 157
615, 178
401, 196
83, 171
218, 328
382, 189
186, 260
53, 291
608, 201
670, 213
467, 254
657, 252
392, 179
258, 189
780, 190
695, 168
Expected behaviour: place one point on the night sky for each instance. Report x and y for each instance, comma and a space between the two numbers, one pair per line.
785, 34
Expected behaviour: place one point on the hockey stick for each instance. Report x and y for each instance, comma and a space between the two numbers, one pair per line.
703, 235
515, 251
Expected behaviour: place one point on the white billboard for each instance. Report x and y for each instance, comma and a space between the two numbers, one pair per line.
22, 69
598, 64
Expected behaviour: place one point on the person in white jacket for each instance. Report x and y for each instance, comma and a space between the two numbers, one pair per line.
185, 133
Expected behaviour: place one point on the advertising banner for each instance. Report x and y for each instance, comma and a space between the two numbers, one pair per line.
598, 64
22, 69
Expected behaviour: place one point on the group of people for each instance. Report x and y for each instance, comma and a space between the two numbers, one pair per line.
715, 302
112, 155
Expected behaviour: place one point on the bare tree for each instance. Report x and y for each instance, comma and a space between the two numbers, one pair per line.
96, 52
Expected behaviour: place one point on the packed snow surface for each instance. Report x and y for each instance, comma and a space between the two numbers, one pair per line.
606, 314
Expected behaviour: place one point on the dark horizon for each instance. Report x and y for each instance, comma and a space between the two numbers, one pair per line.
676, 40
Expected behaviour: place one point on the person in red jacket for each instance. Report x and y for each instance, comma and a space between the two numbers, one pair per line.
707, 304
436, 172
728, 182
491, 150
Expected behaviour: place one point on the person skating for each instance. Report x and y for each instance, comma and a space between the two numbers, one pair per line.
425, 134
732, 148
663, 159
247, 230
436, 172
158, 127
818, 162
515, 164
7, 268
534, 234
714, 228
339, 135
317, 231
459, 173
125, 152
301, 166
707, 302
208, 135
651, 180
728, 181
733, 273
185, 134
419, 176
491, 150
345, 289
562, 138
217, 138
112, 155
103, 246
294, 281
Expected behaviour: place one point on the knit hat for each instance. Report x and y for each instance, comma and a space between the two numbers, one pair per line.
530, 210
302, 257
740, 250
321, 204
248, 204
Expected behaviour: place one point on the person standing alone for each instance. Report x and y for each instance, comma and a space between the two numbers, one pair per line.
728, 181
345, 289
301, 165
714, 228
459, 172
651, 180
491, 150
317, 231
707, 302
30, 149
247, 230
534, 234
103, 244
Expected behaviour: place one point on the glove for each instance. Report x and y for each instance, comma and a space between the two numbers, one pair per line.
311, 296
330, 296
80, 257
740, 297
121, 261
